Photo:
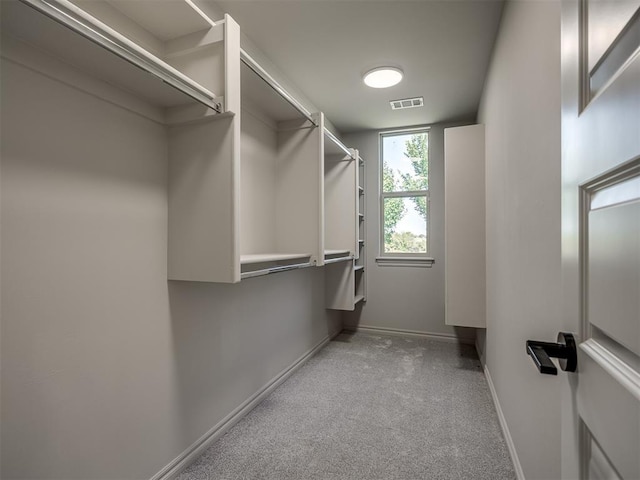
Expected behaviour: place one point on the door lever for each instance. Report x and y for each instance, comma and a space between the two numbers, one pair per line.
564, 351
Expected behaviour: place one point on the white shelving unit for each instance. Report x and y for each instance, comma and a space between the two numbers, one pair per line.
245, 174
183, 72
359, 281
256, 195
344, 220
250, 205
251, 174
280, 181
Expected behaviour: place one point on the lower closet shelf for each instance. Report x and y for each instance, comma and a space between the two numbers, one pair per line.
255, 265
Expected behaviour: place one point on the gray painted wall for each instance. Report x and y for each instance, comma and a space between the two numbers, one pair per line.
108, 370
521, 112
404, 298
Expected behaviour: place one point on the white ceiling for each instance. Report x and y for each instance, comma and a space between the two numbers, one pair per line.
324, 47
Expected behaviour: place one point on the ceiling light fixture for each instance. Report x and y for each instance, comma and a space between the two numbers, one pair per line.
383, 77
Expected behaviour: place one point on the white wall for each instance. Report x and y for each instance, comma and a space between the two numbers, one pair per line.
521, 111
404, 298
108, 370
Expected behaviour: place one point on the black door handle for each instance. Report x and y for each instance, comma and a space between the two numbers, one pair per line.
564, 351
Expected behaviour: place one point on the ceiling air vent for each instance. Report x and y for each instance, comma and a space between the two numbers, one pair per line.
407, 103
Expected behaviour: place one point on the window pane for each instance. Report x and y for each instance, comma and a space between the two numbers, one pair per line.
405, 162
405, 224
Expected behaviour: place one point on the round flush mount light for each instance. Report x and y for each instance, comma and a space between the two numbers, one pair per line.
383, 77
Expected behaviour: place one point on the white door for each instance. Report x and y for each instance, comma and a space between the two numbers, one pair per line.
601, 236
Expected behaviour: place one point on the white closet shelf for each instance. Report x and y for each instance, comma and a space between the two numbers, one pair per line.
358, 299
358, 268
69, 33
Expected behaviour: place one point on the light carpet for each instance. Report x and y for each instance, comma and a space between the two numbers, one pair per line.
369, 407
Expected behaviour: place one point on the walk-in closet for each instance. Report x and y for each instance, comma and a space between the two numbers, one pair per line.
317, 239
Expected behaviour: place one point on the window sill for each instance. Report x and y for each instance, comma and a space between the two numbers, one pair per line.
424, 262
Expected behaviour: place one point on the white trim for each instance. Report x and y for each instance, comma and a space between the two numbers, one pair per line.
624, 374
398, 261
443, 337
392, 131
182, 461
402, 194
625, 191
406, 193
505, 428
480, 351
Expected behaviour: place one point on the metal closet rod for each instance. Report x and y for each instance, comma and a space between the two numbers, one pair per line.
269, 80
76, 19
340, 145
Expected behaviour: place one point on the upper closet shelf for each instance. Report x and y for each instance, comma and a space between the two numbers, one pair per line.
73, 35
335, 146
263, 91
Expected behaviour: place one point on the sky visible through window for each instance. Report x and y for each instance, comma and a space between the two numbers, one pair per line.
393, 151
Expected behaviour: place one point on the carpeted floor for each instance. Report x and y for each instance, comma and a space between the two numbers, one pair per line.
369, 407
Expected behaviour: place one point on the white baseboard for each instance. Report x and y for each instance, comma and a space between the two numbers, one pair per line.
480, 352
505, 429
444, 337
182, 461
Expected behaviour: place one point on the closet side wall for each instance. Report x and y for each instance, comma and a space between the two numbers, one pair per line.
108, 369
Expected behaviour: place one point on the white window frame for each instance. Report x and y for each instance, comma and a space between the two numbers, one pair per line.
398, 258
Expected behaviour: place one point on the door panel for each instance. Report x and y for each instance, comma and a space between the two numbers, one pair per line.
613, 266
601, 236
